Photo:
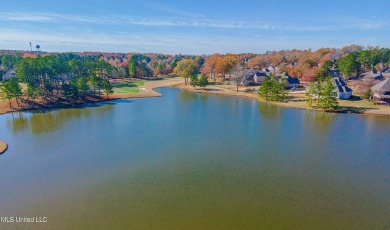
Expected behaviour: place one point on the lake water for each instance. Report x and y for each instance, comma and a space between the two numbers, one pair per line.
193, 161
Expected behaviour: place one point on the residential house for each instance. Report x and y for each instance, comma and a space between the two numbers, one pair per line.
381, 92
259, 77
9, 74
334, 73
386, 73
272, 70
292, 82
267, 71
248, 77
371, 76
341, 90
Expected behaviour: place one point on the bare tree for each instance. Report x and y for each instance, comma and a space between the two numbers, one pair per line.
237, 73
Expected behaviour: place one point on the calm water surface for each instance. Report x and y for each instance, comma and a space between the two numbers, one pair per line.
192, 161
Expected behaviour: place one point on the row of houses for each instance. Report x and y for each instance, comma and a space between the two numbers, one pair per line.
380, 91
253, 76
374, 75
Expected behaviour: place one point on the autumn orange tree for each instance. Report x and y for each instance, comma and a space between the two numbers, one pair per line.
210, 65
225, 64
259, 62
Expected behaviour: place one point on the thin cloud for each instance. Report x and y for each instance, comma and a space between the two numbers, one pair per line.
168, 43
343, 23
173, 10
178, 22
24, 17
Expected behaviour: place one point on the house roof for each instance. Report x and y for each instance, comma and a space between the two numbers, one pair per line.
342, 89
10, 73
250, 72
292, 80
334, 73
386, 75
336, 81
372, 75
271, 68
382, 86
386, 71
260, 74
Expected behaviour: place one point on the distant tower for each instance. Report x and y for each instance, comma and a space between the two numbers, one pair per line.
38, 48
30, 47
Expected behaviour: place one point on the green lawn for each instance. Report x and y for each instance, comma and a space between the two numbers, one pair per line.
128, 87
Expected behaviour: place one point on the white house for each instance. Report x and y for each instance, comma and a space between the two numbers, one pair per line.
341, 90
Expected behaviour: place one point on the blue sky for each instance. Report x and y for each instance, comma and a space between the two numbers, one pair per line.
192, 27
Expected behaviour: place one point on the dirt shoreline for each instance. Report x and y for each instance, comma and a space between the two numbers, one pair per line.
3, 147
296, 99
147, 90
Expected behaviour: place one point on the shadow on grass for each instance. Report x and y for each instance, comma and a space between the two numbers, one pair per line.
355, 98
126, 85
212, 90
291, 98
64, 103
350, 109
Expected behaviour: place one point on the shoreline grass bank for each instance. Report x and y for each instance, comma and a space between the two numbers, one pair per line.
126, 88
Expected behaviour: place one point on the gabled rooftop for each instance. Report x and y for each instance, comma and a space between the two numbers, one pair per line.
249, 72
382, 86
336, 81
260, 74
342, 89
292, 80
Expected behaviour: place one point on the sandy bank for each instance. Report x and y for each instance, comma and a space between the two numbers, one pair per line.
3, 147
295, 99
147, 90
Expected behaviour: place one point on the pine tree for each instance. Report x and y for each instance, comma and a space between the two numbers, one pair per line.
320, 94
265, 89
6, 92
203, 81
107, 88
272, 89
312, 94
194, 81
328, 100
15, 88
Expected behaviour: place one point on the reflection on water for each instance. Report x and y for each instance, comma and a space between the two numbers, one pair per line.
186, 96
190, 161
204, 97
50, 120
319, 121
271, 111
17, 122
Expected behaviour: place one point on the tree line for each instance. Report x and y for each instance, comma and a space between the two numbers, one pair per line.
73, 76
58, 76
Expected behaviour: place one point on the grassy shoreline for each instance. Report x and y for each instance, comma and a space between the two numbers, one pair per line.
126, 88
295, 100
123, 88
